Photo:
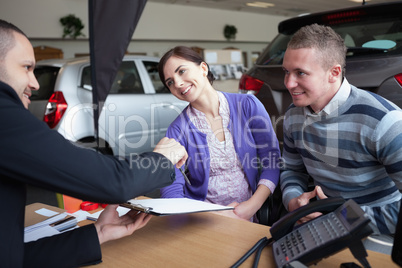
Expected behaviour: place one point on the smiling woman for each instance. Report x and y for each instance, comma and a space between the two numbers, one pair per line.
224, 135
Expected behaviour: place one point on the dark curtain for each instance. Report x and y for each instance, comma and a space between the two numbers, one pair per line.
111, 26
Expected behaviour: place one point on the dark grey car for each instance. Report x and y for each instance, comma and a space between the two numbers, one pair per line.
373, 35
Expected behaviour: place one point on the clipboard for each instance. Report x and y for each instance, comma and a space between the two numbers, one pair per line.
172, 206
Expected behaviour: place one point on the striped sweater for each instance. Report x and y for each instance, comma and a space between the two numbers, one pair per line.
352, 149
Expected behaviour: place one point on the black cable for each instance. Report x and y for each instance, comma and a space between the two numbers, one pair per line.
364, 262
251, 251
258, 254
359, 251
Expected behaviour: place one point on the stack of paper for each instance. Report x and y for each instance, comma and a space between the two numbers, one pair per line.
54, 225
172, 206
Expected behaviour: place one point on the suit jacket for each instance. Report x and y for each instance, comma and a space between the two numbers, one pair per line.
31, 153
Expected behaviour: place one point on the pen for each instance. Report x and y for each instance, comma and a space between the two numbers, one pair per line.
67, 218
184, 175
91, 218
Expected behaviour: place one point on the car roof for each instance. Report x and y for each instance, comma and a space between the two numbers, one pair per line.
345, 15
62, 62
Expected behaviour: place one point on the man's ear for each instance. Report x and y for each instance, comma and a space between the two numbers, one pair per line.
335, 73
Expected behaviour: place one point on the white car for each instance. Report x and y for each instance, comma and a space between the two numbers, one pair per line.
135, 116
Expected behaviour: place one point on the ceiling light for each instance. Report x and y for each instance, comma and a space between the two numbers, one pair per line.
260, 4
359, 1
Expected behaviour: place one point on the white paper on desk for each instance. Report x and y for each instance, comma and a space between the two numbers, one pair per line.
38, 233
43, 228
46, 212
44, 223
83, 215
172, 206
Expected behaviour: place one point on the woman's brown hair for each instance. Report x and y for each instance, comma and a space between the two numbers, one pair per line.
182, 52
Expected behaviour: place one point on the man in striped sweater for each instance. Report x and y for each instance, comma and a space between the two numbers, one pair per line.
346, 140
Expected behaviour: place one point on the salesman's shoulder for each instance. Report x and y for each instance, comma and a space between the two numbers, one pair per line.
7, 92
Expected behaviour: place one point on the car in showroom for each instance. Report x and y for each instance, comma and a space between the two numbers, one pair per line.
135, 115
373, 36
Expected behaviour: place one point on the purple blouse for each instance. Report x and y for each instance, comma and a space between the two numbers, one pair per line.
227, 181
232, 170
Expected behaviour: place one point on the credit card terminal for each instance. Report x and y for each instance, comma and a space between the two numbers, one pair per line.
310, 242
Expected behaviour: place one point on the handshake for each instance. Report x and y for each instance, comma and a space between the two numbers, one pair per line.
172, 150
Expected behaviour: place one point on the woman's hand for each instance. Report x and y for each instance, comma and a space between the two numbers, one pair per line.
229, 213
110, 226
245, 210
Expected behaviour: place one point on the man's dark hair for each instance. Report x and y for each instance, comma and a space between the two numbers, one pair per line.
7, 37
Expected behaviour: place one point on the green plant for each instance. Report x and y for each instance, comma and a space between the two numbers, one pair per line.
230, 32
72, 26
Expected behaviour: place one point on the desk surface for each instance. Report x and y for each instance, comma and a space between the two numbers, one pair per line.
199, 240
33, 218
203, 240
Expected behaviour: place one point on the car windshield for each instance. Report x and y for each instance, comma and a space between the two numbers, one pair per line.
127, 80
376, 36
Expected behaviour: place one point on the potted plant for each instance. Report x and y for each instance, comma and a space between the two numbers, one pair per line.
230, 32
72, 26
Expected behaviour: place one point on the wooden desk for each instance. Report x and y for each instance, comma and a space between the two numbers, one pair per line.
200, 240
203, 240
33, 218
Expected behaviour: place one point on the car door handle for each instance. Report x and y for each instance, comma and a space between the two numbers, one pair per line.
168, 105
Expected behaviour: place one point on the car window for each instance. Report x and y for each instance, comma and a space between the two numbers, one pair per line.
127, 79
365, 38
273, 54
46, 76
376, 37
152, 69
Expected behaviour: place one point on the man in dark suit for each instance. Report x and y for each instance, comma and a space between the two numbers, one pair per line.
31, 153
